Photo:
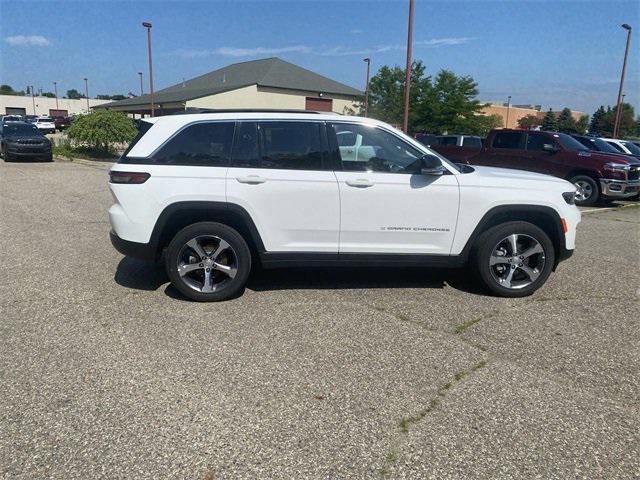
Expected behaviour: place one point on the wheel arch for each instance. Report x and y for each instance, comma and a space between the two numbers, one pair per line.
546, 218
582, 171
181, 214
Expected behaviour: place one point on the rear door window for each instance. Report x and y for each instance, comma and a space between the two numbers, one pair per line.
512, 140
448, 141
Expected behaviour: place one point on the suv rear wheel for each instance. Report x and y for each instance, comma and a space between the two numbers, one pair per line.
588, 190
514, 259
208, 262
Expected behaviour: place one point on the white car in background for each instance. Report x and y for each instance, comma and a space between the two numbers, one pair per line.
624, 146
45, 125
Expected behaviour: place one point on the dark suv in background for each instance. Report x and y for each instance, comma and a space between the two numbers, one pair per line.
22, 140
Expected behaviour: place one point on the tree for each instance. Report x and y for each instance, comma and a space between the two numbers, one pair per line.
550, 121
582, 125
529, 122
596, 118
110, 97
49, 94
566, 123
604, 120
8, 90
445, 103
386, 90
102, 130
74, 94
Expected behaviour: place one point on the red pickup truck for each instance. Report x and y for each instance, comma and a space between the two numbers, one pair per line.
596, 175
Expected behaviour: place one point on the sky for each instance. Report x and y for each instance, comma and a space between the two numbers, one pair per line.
554, 53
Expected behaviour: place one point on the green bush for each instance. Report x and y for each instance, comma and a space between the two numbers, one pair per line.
102, 130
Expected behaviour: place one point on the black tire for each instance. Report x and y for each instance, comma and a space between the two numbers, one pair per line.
5, 154
238, 255
540, 264
585, 180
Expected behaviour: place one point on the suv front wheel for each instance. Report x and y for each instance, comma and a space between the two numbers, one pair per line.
208, 262
514, 259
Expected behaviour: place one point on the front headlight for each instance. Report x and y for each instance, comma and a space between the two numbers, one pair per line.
617, 167
618, 171
569, 197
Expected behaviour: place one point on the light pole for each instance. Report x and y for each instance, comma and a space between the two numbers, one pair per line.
366, 88
506, 123
55, 91
86, 92
616, 125
33, 100
407, 80
141, 89
147, 25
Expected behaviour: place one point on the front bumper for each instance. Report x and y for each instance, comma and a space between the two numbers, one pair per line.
26, 152
619, 188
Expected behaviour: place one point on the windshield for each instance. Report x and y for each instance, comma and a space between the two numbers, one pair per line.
24, 129
632, 147
596, 144
570, 143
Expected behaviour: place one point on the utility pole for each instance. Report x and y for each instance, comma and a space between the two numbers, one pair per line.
506, 123
55, 90
616, 125
407, 81
33, 99
148, 25
366, 88
86, 92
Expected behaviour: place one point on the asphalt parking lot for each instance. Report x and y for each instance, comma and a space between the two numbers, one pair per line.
107, 373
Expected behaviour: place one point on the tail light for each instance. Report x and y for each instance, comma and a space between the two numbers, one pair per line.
128, 177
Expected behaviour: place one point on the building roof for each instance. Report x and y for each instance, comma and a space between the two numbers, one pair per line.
268, 72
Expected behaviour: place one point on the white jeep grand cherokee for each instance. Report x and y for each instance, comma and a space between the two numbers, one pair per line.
215, 193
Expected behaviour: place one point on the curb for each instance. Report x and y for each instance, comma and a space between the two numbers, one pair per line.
609, 209
84, 161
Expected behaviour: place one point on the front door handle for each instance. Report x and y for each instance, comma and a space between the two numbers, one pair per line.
251, 179
360, 183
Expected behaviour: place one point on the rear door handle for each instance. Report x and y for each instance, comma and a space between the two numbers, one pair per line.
360, 183
251, 179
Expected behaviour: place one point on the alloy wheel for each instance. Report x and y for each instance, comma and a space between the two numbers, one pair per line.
517, 261
207, 263
584, 192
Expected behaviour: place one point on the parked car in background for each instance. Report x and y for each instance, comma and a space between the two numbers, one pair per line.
23, 140
426, 139
62, 123
460, 144
623, 146
11, 118
45, 124
31, 118
283, 189
596, 175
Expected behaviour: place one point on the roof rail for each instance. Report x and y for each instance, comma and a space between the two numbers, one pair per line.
247, 110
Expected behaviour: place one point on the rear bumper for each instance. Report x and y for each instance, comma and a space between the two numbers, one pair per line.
619, 188
143, 251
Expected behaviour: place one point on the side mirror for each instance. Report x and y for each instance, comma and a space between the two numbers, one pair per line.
549, 147
431, 165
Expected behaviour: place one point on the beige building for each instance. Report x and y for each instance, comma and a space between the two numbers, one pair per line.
267, 83
27, 105
511, 114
